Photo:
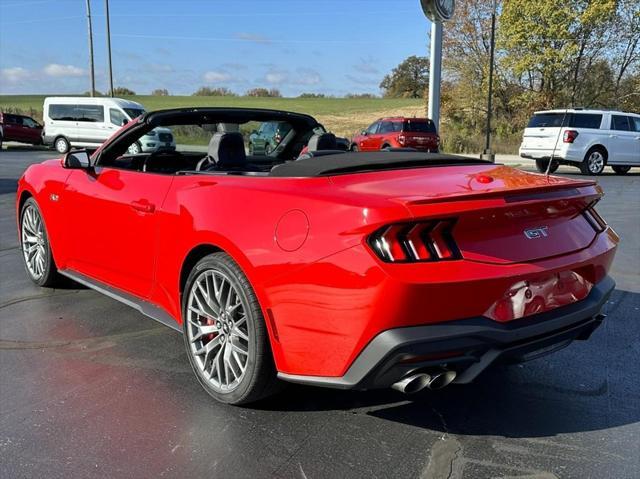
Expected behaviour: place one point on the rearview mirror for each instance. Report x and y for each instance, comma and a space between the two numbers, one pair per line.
77, 160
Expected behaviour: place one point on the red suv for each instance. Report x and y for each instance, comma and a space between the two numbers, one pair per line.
399, 132
19, 128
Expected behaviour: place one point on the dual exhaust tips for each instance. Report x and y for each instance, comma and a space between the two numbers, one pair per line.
417, 382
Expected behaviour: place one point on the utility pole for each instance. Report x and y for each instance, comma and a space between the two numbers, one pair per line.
106, 7
92, 72
488, 154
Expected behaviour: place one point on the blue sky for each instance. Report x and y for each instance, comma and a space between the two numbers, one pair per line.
326, 46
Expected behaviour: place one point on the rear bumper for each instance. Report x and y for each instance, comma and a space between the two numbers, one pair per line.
468, 346
561, 154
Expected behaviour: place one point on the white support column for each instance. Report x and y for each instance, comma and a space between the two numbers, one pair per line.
435, 73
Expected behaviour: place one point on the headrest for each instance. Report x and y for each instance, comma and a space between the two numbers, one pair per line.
322, 141
227, 150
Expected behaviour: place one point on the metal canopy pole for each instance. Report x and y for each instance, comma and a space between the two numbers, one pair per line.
92, 72
435, 72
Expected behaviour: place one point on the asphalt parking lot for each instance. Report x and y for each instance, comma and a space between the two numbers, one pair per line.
91, 388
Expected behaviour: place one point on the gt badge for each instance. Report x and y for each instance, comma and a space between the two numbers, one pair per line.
535, 233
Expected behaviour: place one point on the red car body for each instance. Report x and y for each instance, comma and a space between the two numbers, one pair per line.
500, 253
398, 132
20, 128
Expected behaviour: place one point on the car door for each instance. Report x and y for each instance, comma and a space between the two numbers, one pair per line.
112, 218
369, 140
32, 130
12, 128
634, 122
623, 145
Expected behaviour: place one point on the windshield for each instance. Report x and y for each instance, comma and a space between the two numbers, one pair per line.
133, 112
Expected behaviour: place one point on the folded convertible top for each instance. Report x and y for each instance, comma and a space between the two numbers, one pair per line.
356, 162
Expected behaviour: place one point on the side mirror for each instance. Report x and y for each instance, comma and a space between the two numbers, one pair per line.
77, 160
124, 121
364, 133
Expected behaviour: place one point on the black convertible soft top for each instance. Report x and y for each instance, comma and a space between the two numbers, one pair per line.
355, 162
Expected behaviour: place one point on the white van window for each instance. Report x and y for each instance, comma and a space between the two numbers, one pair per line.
133, 112
116, 117
90, 113
62, 112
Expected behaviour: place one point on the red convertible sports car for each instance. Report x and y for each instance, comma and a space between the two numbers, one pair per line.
337, 269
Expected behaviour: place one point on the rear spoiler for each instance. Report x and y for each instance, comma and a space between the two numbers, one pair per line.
586, 192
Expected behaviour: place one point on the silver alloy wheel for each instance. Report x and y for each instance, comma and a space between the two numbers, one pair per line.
61, 145
595, 162
218, 331
134, 149
33, 242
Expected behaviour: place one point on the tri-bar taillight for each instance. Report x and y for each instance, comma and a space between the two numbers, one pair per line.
595, 220
415, 242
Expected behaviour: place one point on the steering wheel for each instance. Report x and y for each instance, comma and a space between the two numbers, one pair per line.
151, 159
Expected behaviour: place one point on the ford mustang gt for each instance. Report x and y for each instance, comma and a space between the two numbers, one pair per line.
399, 269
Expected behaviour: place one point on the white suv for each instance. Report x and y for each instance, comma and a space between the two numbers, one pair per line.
588, 139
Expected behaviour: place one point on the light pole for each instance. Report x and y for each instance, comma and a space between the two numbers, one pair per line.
106, 7
92, 72
437, 11
488, 154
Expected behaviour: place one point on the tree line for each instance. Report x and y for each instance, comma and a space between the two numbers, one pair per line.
549, 54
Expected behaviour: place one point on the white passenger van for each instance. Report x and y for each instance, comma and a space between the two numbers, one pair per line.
588, 139
87, 122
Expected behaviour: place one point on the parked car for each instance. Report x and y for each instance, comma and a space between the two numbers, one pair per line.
267, 137
588, 139
88, 122
344, 270
400, 132
20, 128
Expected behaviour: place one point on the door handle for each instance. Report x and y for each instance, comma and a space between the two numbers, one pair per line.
613, 136
143, 206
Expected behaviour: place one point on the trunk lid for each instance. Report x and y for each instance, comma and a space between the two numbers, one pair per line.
503, 215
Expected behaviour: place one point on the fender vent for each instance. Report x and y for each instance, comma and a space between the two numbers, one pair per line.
415, 242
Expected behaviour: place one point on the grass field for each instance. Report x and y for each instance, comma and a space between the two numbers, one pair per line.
343, 116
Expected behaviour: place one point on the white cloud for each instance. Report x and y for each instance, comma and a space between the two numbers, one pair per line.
307, 76
276, 77
57, 70
253, 37
13, 74
218, 77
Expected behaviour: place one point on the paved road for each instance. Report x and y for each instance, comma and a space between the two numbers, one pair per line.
90, 388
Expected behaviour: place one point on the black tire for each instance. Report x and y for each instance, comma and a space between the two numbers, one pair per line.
594, 161
621, 170
61, 144
49, 275
541, 166
383, 147
259, 378
354, 147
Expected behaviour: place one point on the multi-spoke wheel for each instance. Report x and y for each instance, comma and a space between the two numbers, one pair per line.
224, 332
594, 161
36, 251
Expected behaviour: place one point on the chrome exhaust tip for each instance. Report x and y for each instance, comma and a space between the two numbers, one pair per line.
412, 384
441, 379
